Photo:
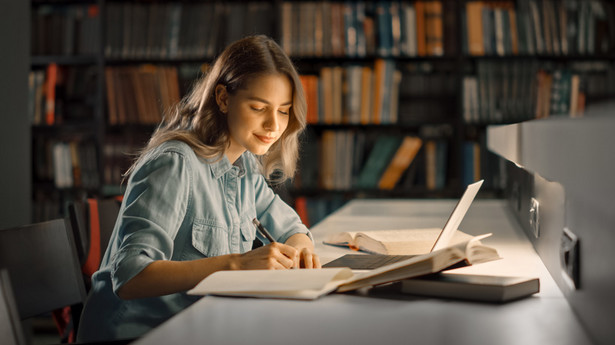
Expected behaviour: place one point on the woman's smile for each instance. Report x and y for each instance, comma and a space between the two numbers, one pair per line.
266, 139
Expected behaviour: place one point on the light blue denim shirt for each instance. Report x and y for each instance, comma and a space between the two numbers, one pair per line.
178, 206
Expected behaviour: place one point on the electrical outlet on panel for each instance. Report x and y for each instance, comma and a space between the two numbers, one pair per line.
535, 217
569, 255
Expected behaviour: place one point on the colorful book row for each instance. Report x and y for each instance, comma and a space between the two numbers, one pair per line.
538, 27
58, 94
179, 30
519, 91
355, 160
140, 94
354, 94
67, 164
362, 28
65, 30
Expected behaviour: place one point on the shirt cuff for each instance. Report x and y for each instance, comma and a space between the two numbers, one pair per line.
302, 230
127, 264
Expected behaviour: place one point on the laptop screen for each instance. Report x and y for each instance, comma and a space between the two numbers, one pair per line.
457, 216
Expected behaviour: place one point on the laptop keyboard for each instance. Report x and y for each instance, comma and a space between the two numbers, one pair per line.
365, 262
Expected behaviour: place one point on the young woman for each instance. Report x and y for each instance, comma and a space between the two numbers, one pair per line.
195, 189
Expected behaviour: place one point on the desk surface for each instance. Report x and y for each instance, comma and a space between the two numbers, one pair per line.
371, 318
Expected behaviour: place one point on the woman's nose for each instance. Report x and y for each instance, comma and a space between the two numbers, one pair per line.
271, 123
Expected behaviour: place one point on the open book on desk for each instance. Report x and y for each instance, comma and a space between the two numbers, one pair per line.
397, 245
393, 242
386, 246
311, 284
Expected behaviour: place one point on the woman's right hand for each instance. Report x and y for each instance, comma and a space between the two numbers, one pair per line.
162, 277
273, 256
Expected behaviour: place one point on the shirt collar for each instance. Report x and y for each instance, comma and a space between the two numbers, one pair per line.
221, 167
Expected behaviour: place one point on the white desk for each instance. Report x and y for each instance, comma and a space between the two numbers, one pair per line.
545, 318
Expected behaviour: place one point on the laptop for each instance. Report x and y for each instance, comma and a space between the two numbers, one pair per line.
371, 261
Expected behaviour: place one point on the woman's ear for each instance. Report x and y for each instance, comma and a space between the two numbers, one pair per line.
222, 98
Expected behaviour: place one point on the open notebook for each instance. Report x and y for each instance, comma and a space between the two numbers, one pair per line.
370, 261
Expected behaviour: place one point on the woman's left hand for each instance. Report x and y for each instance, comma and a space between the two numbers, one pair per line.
307, 258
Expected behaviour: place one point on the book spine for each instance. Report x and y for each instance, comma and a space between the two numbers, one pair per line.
434, 28
421, 40
403, 158
475, 28
50, 94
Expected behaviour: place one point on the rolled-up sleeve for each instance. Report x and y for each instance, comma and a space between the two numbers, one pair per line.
155, 202
276, 215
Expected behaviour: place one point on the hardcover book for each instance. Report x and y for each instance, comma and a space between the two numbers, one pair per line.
472, 287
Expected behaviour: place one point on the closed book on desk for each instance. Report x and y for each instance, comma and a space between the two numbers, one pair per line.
313, 283
472, 287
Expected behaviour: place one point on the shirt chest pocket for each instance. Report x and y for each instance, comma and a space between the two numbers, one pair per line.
248, 234
210, 238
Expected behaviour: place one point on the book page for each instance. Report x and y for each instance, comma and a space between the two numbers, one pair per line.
478, 253
341, 238
404, 235
413, 267
419, 265
281, 283
403, 242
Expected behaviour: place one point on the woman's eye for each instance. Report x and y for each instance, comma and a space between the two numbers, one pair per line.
284, 112
257, 109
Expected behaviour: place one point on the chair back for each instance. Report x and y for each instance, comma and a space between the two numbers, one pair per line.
11, 332
77, 217
42, 262
92, 222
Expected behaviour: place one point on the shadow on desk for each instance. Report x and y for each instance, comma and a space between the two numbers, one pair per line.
387, 291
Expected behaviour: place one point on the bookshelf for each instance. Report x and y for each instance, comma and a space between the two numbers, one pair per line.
440, 71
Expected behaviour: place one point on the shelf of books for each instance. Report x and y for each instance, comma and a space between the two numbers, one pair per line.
63, 108
399, 93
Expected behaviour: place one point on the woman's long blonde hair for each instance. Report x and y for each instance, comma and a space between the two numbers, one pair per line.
198, 121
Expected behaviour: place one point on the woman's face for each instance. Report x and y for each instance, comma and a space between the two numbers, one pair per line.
257, 115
